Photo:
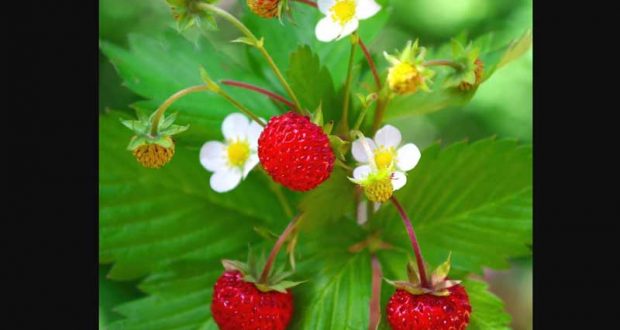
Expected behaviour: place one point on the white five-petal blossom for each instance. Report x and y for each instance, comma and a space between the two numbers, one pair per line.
342, 17
385, 153
232, 160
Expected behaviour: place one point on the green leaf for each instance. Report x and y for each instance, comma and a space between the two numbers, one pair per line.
156, 68
328, 202
150, 218
487, 310
472, 199
312, 82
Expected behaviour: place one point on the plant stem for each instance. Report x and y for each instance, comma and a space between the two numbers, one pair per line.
449, 63
276, 248
414, 242
263, 91
167, 103
344, 119
256, 43
275, 69
240, 107
308, 2
375, 298
382, 103
371, 64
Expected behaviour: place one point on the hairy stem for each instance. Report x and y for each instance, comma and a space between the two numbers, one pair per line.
240, 107
256, 43
276, 248
414, 242
168, 102
371, 64
375, 298
344, 119
263, 91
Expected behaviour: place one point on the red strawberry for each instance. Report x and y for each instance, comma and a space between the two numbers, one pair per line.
428, 301
406, 311
239, 305
295, 152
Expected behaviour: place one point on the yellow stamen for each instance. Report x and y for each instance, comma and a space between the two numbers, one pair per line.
343, 11
384, 157
404, 78
238, 152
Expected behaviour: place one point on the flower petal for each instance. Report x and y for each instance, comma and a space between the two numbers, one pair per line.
213, 156
349, 28
327, 30
235, 126
388, 136
407, 157
398, 180
361, 172
358, 151
225, 180
253, 133
249, 164
366, 9
325, 5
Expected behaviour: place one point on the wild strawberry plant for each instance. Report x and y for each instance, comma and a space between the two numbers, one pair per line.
292, 151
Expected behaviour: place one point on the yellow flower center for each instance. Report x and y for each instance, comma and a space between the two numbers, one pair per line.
238, 152
384, 157
404, 78
343, 11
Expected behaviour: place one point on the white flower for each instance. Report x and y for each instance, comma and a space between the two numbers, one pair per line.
232, 161
383, 153
342, 17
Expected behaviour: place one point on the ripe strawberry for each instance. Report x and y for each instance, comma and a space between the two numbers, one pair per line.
426, 311
440, 304
295, 152
239, 305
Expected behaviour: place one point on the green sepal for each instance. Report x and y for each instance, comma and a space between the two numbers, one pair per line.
188, 15
135, 142
253, 268
466, 57
339, 146
245, 40
204, 76
328, 127
317, 117
232, 265
409, 287
441, 272
164, 141
174, 129
167, 121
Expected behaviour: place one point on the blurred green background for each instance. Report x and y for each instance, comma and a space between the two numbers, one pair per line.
501, 107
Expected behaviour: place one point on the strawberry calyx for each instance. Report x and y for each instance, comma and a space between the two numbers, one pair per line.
438, 285
252, 269
142, 130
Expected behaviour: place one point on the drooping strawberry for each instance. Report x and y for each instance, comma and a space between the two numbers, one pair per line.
252, 296
240, 305
442, 304
295, 152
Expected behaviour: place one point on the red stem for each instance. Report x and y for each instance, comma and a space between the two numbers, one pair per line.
371, 64
308, 2
375, 298
276, 248
414, 242
263, 91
